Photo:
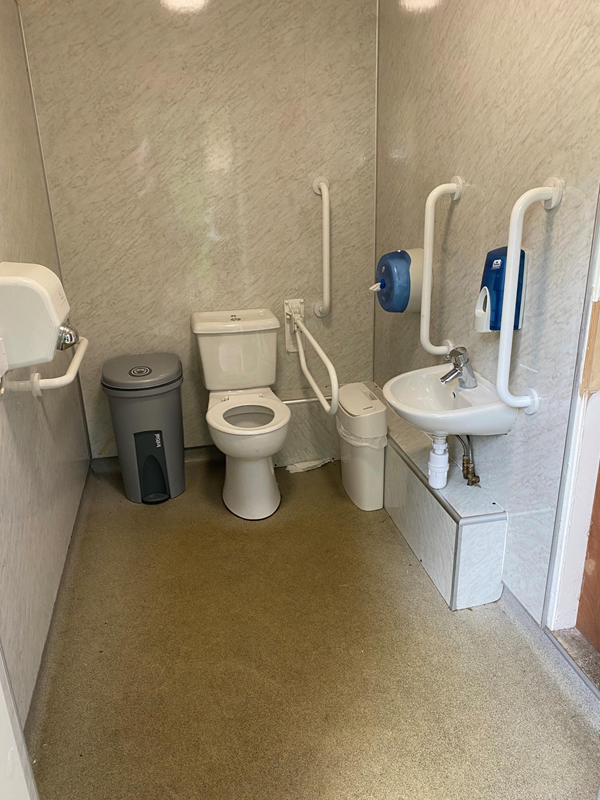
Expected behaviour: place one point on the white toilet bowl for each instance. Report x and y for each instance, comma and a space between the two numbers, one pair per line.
249, 426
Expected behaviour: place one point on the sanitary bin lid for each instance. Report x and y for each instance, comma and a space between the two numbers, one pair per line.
358, 400
141, 371
241, 321
361, 412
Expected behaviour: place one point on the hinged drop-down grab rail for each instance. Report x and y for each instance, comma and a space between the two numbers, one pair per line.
294, 314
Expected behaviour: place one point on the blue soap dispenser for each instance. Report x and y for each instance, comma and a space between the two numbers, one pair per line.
488, 311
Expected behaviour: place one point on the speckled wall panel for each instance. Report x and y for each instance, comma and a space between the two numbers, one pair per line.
43, 453
505, 95
181, 140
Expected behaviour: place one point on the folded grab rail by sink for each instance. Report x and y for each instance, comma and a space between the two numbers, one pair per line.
294, 310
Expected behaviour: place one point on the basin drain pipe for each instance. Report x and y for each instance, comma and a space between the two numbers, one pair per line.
438, 463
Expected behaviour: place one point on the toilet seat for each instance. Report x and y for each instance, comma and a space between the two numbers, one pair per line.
241, 415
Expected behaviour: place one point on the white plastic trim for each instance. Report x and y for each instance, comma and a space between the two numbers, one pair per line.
455, 188
16, 777
36, 384
550, 195
321, 186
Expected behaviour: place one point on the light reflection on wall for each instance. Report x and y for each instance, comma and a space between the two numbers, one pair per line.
184, 6
419, 6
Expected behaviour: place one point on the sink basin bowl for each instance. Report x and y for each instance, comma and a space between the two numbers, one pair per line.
422, 400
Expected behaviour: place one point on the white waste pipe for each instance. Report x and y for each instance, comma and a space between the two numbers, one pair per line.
456, 189
323, 307
551, 196
438, 464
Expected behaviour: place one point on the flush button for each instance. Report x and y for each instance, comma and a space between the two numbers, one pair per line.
140, 372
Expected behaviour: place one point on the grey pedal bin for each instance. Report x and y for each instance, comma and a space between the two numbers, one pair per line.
144, 396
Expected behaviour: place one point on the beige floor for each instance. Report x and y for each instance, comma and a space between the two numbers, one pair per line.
309, 657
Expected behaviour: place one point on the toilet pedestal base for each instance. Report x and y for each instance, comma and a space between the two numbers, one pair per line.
251, 489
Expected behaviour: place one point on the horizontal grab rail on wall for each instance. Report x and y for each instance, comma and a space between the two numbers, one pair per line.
321, 186
456, 189
550, 195
294, 312
36, 384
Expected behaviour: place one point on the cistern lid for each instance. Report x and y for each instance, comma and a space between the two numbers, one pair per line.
240, 321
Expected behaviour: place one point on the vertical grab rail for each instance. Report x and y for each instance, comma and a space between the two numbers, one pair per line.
550, 195
323, 307
456, 189
294, 314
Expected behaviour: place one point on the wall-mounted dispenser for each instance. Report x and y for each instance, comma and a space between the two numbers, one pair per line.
488, 310
399, 280
33, 324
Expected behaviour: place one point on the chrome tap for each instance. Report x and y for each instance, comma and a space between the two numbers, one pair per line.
462, 369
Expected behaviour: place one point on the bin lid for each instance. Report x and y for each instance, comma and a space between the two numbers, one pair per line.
358, 400
241, 321
361, 412
141, 371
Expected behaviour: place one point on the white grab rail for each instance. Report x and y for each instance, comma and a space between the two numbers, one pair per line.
323, 307
36, 383
456, 189
294, 313
550, 195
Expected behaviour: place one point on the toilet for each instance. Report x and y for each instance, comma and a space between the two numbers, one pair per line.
246, 420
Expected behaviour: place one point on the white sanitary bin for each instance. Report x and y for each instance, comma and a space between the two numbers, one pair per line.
362, 427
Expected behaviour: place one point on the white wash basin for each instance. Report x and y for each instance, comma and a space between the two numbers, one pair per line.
421, 399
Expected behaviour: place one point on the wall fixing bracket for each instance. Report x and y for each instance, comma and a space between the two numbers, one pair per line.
558, 187
460, 187
319, 179
292, 308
